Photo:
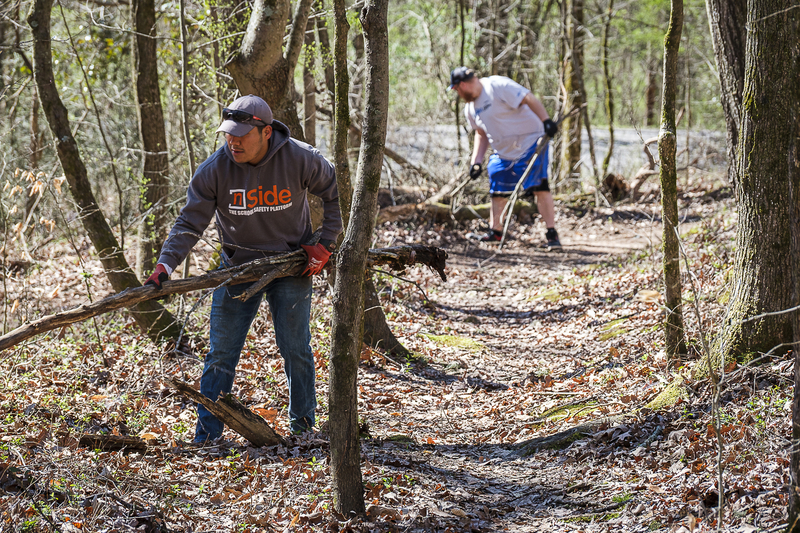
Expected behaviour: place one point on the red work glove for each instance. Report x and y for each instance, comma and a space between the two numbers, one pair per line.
317, 257
158, 276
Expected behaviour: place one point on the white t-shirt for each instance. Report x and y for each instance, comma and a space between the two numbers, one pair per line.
512, 128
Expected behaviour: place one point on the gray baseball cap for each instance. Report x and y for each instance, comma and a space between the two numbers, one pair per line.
244, 114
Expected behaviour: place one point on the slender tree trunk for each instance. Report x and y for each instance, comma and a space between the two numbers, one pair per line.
35, 148
151, 316
728, 34
609, 99
667, 142
153, 135
348, 316
325, 54
763, 234
309, 87
573, 83
651, 88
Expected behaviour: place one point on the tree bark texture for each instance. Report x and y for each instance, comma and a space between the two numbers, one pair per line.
260, 67
727, 20
150, 316
651, 89
573, 83
377, 332
153, 136
609, 97
667, 144
341, 90
348, 300
763, 234
794, 180
309, 87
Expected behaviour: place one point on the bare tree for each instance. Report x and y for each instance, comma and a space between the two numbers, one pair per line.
573, 84
348, 298
151, 316
153, 135
667, 144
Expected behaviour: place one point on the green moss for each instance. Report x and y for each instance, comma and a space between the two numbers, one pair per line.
611, 334
670, 395
593, 518
553, 295
399, 437
455, 341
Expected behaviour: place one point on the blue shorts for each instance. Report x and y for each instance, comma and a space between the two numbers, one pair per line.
504, 174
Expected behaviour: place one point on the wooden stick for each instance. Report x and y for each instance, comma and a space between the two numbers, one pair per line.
235, 415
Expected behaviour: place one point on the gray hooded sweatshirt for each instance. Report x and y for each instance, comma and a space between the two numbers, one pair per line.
259, 208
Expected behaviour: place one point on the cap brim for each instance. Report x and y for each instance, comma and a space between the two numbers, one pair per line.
237, 129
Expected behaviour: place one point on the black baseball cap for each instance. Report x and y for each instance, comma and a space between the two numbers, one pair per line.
460, 74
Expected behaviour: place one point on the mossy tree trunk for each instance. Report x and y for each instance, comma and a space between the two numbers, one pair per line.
792, 23
573, 83
155, 157
675, 344
348, 297
728, 34
761, 276
150, 316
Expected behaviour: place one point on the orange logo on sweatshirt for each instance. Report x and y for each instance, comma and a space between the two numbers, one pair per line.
260, 199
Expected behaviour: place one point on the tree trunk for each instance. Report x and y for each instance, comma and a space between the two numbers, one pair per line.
793, 27
609, 99
377, 332
763, 234
260, 68
651, 89
667, 142
150, 316
573, 83
348, 298
309, 87
155, 157
728, 34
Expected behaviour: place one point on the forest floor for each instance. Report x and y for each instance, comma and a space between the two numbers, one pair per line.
519, 343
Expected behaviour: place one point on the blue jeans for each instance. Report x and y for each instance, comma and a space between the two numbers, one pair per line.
289, 300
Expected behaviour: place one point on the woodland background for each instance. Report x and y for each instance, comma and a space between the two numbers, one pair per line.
532, 391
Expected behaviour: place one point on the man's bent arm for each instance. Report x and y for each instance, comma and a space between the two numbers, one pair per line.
479, 147
536, 106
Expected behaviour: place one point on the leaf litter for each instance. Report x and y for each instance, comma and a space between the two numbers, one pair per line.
519, 344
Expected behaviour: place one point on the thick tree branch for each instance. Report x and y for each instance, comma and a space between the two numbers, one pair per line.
289, 264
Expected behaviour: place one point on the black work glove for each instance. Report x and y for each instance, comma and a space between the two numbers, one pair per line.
550, 128
475, 171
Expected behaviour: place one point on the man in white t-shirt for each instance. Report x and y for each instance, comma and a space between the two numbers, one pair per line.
506, 115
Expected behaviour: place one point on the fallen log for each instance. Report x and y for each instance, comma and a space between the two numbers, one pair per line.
287, 264
233, 414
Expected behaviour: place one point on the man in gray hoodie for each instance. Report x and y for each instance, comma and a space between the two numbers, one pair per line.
256, 187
